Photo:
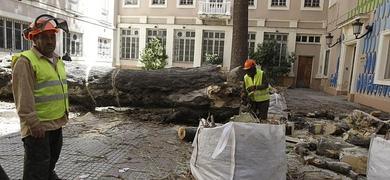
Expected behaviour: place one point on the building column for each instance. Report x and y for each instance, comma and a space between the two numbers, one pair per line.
321, 61
292, 36
170, 45
117, 48
198, 47
259, 37
142, 43
227, 51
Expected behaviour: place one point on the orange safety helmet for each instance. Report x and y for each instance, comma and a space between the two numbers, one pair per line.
43, 23
249, 63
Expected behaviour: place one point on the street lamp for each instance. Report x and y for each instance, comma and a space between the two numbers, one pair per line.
357, 28
329, 39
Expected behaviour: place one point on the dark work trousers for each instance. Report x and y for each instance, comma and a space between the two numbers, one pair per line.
3, 175
41, 155
260, 109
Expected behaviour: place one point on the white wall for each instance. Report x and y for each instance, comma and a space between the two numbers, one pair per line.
91, 22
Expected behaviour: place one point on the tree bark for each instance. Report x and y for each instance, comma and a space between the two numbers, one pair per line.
191, 93
240, 33
174, 87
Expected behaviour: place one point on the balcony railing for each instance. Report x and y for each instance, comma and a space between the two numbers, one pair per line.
214, 8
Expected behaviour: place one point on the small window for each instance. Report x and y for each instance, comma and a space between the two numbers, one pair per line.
104, 48
279, 3
131, 2
317, 39
188, 34
251, 3
312, 3
186, 2
298, 39
158, 2
72, 44
252, 41
311, 39
304, 39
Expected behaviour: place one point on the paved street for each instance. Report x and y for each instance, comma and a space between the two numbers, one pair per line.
308, 100
108, 146
131, 144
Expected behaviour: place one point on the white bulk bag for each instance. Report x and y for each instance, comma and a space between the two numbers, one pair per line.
277, 106
379, 159
239, 151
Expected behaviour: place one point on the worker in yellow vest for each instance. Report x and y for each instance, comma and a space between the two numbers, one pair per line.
41, 97
256, 89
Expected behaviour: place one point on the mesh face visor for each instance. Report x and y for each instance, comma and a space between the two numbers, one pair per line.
58, 23
43, 23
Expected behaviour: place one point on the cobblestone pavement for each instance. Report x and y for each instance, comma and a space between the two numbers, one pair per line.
114, 145
109, 146
308, 100
9, 122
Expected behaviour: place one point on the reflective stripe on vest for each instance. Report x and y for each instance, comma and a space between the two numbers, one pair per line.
51, 88
41, 99
256, 95
50, 83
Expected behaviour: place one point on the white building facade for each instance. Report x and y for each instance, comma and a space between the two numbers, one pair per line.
190, 29
91, 29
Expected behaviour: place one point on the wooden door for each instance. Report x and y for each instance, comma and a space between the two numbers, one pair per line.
304, 71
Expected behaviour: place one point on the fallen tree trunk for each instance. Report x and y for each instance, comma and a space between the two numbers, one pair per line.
339, 167
102, 86
99, 86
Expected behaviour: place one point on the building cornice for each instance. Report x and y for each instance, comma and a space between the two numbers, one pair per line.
362, 17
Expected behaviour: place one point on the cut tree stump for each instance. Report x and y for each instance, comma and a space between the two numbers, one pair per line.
187, 133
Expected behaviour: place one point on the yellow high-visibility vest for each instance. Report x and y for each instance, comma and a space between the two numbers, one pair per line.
51, 88
256, 95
